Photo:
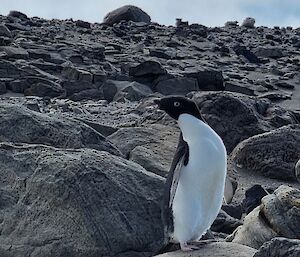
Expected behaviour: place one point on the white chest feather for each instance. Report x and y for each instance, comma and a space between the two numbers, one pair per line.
200, 190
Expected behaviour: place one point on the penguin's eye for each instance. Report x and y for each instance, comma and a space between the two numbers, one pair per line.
176, 104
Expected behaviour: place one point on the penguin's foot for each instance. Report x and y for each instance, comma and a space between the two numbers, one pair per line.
185, 247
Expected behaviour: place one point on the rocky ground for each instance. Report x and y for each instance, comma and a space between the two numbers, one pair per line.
84, 150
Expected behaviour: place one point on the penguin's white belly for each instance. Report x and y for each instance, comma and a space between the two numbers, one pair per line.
200, 190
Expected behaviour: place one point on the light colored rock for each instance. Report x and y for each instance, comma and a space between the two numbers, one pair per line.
219, 249
278, 215
248, 22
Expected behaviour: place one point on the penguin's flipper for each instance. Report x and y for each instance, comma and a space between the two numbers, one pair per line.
181, 158
175, 180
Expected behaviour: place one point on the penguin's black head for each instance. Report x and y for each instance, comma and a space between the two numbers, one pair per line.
176, 105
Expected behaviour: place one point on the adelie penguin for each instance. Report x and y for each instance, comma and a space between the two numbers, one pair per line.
194, 189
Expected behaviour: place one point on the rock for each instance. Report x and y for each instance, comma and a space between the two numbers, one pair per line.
234, 210
18, 14
254, 232
127, 13
177, 86
39, 54
272, 154
249, 22
218, 249
73, 87
280, 247
248, 54
297, 170
133, 91
231, 24
278, 215
4, 31
152, 147
269, 52
225, 223
35, 85
73, 73
234, 87
147, 69
208, 79
45, 89
88, 94
83, 24
15, 52
57, 202
253, 198
21, 125
248, 115
2, 88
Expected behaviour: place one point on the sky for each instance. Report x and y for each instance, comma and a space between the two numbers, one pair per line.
206, 12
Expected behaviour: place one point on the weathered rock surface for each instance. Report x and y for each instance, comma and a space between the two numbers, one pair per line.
236, 117
152, 147
278, 215
272, 154
280, 247
126, 13
57, 202
220, 249
21, 125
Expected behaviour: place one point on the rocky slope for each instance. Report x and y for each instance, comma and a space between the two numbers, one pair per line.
84, 150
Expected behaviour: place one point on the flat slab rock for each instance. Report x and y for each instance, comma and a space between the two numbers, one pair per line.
219, 249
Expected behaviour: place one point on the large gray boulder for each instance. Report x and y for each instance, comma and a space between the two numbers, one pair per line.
127, 13
280, 247
20, 125
236, 117
278, 215
272, 154
219, 249
152, 147
76, 203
